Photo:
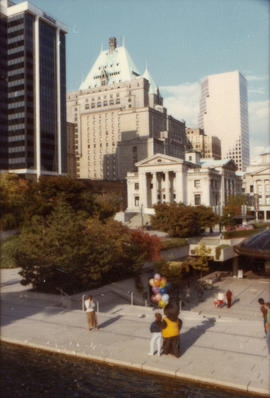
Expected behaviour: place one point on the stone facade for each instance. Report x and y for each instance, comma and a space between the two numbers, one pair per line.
257, 187
210, 147
166, 179
121, 122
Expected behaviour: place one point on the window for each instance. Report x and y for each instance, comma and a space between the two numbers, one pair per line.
251, 189
136, 201
136, 185
196, 183
197, 199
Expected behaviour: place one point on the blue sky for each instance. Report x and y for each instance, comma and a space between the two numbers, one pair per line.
181, 41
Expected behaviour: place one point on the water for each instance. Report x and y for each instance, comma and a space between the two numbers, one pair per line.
31, 373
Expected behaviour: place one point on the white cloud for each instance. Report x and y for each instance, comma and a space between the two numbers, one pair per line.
256, 91
259, 127
253, 78
182, 102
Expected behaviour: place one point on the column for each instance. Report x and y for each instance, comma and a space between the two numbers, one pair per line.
154, 189
37, 97
167, 187
143, 190
58, 90
179, 186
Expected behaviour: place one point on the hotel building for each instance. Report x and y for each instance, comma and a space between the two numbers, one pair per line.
120, 118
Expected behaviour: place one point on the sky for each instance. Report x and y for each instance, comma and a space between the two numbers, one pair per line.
181, 41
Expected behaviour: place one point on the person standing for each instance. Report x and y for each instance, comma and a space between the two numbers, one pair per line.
267, 326
229, 298
171, 326
90, 306
155, 329
263, 310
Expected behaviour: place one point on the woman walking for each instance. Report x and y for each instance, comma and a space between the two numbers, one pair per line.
90, 306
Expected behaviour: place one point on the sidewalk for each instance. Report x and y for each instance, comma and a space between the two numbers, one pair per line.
217, 346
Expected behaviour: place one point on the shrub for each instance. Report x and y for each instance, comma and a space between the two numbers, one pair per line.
9, 248
174, 242
8, 221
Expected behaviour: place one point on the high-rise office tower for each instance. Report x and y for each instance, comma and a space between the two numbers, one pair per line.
120, 118
33, 91
224, 113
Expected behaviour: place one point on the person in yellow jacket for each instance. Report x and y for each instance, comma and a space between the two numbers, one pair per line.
170, 329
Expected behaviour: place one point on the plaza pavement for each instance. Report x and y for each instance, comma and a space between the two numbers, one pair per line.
220, 346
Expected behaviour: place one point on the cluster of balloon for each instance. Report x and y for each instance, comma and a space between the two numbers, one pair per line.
160, 287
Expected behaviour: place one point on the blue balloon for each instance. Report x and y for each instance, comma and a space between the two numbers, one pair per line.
162, 290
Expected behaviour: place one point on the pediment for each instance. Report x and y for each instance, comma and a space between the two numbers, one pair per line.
159, 159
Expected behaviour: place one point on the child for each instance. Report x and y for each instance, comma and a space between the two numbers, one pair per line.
155, 330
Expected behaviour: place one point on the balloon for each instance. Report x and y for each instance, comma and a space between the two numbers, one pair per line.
158, 297
151, 282
163, 282
153, 298
155, 289
165, 297
156, 282
162, 303
156, 276
163, 290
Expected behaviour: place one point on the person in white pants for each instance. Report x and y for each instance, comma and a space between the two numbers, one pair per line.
155, 329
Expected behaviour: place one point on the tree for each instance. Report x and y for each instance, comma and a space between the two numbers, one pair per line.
178, 220
233, 209
199, 262
67, 251
12, 191
207, 218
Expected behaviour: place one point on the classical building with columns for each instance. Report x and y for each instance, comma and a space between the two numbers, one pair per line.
257, 187
33, 91
166, 179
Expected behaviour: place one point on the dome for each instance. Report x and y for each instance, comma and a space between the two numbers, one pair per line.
257, 245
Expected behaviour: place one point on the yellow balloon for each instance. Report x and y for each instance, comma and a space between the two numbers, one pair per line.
151, 282
156, 282
163, 283
162, 303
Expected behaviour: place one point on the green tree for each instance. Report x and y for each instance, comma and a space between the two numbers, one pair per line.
178, 220
67, 251
12, 191
200, 261
207, 218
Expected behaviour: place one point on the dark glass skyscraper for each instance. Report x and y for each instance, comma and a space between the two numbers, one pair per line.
33, 91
